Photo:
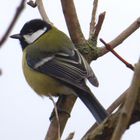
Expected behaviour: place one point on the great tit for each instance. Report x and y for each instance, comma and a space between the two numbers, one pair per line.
53, 66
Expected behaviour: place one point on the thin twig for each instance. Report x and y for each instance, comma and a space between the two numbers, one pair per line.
66, 104
42, 11
106, 129
17, 14
98, 26
121, 37
93, 18
57, 117
110, 48
110, 109
72, 22
128, 107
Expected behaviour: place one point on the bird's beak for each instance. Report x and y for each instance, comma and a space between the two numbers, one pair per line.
16, 36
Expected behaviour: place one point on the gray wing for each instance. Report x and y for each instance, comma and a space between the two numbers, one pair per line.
71, 69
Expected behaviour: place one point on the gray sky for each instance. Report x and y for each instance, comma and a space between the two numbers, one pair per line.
25, 115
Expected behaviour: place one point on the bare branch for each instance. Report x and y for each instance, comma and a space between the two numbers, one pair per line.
66, 104
98, 27
17, 14
109, 47
110, 109
121, 37
57, 117
106, 129
93, 18
42, 11
72, 22
128, 106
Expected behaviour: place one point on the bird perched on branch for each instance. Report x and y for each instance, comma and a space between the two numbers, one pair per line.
53, 66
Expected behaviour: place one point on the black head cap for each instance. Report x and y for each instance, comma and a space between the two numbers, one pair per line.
31, 27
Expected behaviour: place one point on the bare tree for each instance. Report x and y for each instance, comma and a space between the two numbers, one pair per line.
128, 113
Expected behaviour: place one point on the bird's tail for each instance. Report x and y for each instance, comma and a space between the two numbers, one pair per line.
93, 105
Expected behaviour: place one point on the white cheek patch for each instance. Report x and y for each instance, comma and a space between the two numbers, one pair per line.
30, 38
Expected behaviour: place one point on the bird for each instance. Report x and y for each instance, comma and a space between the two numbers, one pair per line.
53, 66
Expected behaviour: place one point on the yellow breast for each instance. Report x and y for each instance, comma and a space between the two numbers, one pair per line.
41, 83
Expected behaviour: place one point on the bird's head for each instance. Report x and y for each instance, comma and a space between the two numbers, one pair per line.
31, 31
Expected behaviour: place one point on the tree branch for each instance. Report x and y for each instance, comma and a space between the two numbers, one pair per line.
98, 27
42, 11
17, 14
108, 127
121, 37
72, 22
57, 117
93, 18
66, 104
109, 47
128, 107
110, 109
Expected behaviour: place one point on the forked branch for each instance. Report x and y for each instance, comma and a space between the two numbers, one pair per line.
121, 37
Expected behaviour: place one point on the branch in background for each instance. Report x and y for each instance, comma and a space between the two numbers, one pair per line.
57, 117
93, 18
17, 14
110, 48
121, 37
110, 109
98, 26
41, 9
72, 22
105, 130
128, 107
65, 104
